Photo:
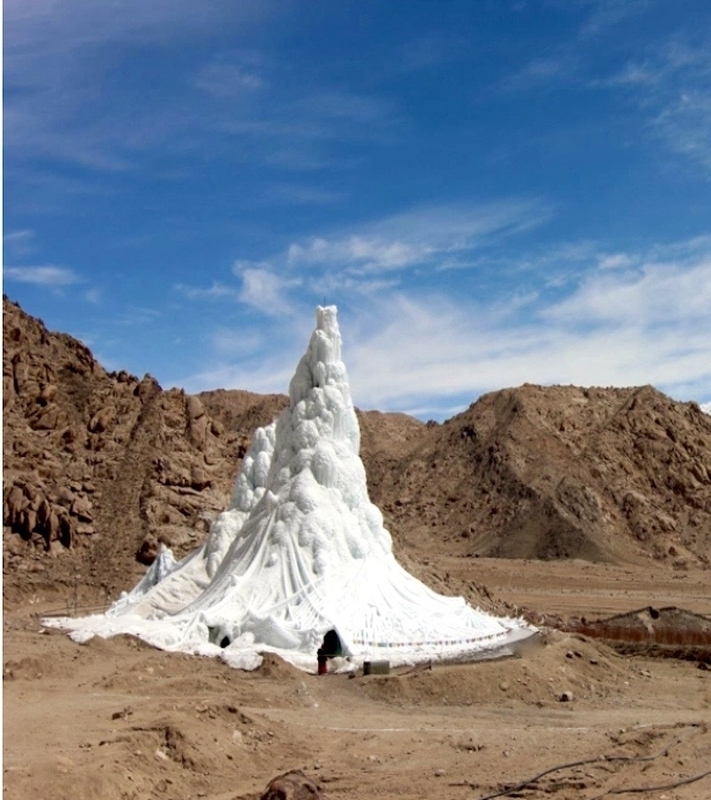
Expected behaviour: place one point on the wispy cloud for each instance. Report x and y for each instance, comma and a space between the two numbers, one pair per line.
93, 296
368, 254
670, 86
18, 243
603, 14
48, 276
237, 343
140, 315
685, 125
372, 257
62, 103
429, 235
216, 291
628, 326
353, 109
432, 49
298, 194
227, 81
666, 80
656, 294
263, 289
433, 350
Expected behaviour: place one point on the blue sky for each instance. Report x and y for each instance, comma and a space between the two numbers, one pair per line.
492, 192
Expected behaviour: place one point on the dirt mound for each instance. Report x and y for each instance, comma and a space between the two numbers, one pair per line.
559, 668
101, 467
273, 667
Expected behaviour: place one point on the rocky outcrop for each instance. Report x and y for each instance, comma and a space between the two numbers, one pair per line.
100, 468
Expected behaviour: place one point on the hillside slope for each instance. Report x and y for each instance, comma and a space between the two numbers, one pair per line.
559, 472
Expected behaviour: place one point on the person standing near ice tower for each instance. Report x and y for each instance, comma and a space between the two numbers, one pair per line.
331, 647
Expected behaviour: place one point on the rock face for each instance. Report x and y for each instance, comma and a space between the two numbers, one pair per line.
99, 468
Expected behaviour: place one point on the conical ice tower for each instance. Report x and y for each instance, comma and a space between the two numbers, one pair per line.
300, 553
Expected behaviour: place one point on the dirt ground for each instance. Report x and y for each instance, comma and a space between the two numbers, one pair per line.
118, 719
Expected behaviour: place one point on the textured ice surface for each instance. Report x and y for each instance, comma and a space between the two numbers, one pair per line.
299, 551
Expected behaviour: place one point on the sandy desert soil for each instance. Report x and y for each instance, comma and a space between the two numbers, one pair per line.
118, 719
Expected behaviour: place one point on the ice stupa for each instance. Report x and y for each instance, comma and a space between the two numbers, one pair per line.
301, 551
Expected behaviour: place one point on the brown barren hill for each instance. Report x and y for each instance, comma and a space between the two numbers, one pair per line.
100, 468
610, 474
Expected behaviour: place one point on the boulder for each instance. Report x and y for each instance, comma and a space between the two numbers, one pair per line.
47, 394
292, 785
101, 420
49, 418
194, 407
199, 479
81, 508
148, 551
197, 432
15, 502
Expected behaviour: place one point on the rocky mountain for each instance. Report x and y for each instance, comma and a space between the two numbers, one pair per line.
100, 467
558, 472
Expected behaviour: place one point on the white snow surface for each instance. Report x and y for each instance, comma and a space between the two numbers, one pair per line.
300, 550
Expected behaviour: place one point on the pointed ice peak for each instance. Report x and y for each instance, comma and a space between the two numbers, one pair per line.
321, 363
327, 322
319, 392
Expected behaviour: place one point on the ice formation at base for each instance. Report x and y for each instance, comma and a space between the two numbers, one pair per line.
300, 551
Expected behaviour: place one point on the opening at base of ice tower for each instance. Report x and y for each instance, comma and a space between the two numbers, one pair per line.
300, 559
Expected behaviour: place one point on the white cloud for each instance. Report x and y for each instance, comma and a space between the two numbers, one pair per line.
19, 243
434, 351
48, 276
615, 261
367, 253
214, 292
226, 81
655, 295
264, 290
432, 235
616, 328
